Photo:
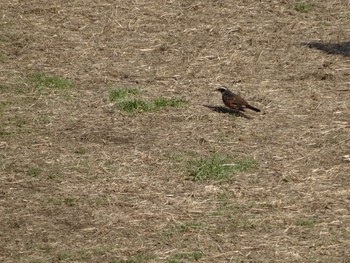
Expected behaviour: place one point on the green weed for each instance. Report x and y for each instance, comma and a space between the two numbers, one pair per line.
122, 93
34, 172
303, 7
43, 80
131, 106
219, 167
305, 222
125, 101
137, 105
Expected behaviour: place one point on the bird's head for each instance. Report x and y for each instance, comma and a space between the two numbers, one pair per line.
222, 89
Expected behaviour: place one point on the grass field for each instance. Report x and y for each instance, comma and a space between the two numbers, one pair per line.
112, 147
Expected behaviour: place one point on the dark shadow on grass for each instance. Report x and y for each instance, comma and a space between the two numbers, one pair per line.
342, 48
225, 110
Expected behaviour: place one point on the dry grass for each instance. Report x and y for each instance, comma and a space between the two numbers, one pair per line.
83, 182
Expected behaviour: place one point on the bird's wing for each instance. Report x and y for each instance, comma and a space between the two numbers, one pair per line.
232, 104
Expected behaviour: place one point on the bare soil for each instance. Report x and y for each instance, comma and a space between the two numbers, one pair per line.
81, 181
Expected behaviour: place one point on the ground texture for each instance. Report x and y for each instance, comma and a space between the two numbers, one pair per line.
82, 181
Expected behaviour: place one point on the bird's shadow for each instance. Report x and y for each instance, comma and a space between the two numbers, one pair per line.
225, 110
342, 48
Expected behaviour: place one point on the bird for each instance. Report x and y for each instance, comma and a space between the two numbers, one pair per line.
235, 101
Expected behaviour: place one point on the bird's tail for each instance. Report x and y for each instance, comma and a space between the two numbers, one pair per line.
253, 108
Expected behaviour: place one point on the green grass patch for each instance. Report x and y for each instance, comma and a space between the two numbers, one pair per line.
184, 257
219, 167
122, 93
131, 106
305, 222
125, 101
137, 105
34, 172
43, 80
303, 7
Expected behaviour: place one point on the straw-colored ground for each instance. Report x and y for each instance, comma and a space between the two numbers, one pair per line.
82, 181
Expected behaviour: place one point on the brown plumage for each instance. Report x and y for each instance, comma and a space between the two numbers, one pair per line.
234, 101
